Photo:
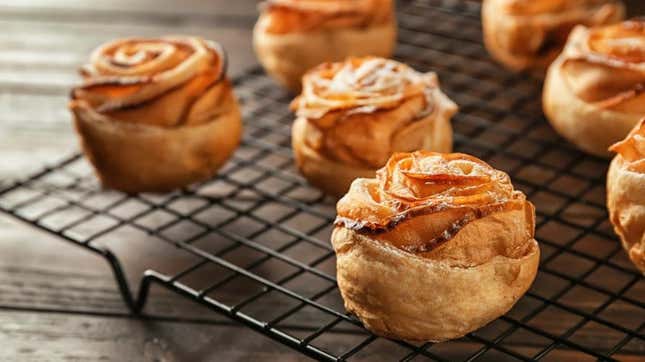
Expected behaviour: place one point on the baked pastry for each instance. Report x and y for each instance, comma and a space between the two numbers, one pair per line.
293, 36
156, 114
529, 34
626, 194
351, 116
436, 246
593, 93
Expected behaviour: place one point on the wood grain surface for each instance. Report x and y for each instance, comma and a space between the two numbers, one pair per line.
58, 302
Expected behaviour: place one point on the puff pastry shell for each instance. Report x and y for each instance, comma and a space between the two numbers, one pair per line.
626, 194
293, 36
593, 94
436, 246
351, 116
529, 34
156, 114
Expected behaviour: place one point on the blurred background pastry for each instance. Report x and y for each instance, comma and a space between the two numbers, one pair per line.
529, 35
293, 36
626, 194
593, 93
352, 115
156, 114
434, 247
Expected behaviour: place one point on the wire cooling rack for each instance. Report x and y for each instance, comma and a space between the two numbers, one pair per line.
587, 301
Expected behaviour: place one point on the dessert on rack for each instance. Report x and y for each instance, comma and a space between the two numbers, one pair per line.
626, 194
352, 115
527, 35
434, 247
293, 36
594, 93
156, 114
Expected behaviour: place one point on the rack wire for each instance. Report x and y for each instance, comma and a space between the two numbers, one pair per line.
285, 288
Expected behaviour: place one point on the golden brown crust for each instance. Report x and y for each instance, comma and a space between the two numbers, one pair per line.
353, 115
528, 35
626, 194
455, 188
296, 16
163, 78
288, 45
402, 296
400, 283
593, 93
156, 114
330, 176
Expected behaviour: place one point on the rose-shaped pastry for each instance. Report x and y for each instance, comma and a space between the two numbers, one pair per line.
593, 94
436, 246
529, 34
156, 114
626, 194
352, 116
293, 36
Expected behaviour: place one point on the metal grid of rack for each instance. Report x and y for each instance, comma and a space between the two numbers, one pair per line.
261, 208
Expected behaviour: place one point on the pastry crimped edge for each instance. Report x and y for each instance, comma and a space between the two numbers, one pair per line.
334, 177
400, 295
626, 205
135, 158
286, 57
591, 129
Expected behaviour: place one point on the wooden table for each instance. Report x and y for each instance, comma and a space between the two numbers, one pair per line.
58, 302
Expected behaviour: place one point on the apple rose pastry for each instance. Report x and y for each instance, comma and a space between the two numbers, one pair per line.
352, 116
434, 247
529, 34
626, 194
593, 94
156, 114
293, 36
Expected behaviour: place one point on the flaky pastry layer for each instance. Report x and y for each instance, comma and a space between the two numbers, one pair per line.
528, 35
626, 193
352, 115
360, 111
156, 114
287, 56
593, 94
299, 16
436, 246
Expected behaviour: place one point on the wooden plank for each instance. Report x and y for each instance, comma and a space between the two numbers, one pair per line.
70, 45
18, 112
56, 337
129, 17
151, 7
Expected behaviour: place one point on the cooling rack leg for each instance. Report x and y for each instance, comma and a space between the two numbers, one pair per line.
122, 282
149, 276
